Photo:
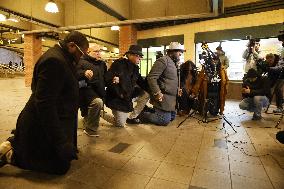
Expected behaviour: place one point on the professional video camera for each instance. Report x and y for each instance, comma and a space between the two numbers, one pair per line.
212, 68
211, 64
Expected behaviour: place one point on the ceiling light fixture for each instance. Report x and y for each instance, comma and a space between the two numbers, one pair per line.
116, 50
51, 7
2, 18
13, 19
114, 28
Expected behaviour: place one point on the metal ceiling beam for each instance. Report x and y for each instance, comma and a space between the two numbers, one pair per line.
125, 22
102, 6
29, 18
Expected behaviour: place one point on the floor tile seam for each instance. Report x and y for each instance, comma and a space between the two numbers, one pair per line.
179, 164
253, 178
132, 156
78, 181
103, 185
198, 153
261, 161
228, 156
137, 173
173, 181
147, 141
211, 170
232, 159
161, 162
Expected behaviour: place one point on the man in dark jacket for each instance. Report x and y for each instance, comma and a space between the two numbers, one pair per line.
121, 79
163, 84
45, 133
91, 73
256, 90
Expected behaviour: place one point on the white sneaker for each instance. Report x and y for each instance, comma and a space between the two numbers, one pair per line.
91, 133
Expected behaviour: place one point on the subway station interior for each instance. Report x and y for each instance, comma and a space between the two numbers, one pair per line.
192, 94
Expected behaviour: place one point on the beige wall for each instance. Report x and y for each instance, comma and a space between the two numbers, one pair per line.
103, 33
35, 8
159, 8
120, 6
264, 18
230, 3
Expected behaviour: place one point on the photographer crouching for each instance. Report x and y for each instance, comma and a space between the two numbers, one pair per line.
275, 72
256, 92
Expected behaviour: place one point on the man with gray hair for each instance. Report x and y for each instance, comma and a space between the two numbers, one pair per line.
163, 85
91, 71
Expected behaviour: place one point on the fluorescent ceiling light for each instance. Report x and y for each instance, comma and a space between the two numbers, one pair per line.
13, 19
114, 28
116, 50
2, 18
51, 7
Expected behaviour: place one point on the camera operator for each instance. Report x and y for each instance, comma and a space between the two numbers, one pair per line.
256, 90
251, 54
222, 57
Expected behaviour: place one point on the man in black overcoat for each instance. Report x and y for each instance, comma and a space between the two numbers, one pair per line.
45, 135
91, 70
121, 80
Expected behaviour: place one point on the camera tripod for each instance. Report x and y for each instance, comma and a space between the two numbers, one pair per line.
205, 117
280, 119
281, 114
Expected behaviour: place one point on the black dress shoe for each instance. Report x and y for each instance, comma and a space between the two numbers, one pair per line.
133, 121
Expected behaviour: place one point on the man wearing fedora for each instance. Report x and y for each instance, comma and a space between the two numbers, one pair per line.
121, 79
163, 85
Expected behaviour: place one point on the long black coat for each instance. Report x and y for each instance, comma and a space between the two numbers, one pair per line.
119, 96
46, 127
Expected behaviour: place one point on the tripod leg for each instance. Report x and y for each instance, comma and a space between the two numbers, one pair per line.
280, 119
229, 123
189, 115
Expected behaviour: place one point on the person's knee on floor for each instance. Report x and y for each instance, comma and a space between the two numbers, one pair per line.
6, 152
243, 105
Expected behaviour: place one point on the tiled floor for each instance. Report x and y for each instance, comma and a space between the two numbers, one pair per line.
193, 156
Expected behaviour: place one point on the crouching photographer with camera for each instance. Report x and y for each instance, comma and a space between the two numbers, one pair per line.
256, 93
275, 72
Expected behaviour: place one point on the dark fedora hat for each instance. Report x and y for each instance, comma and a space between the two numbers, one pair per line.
135, 49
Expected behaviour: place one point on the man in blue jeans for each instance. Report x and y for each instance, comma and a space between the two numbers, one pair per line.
256, 90
163, 85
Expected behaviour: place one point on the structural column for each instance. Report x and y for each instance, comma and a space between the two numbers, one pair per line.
32, 52
127, 37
